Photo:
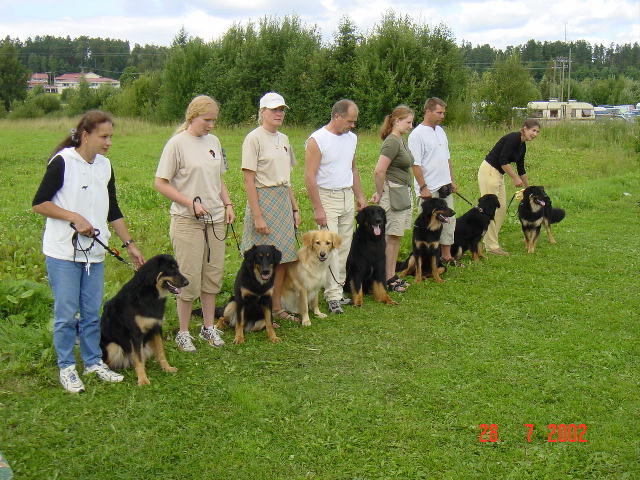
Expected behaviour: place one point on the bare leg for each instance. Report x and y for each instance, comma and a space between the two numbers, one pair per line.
184, 308
391, 251
208, 301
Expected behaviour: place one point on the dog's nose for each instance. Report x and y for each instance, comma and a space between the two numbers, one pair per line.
323, 254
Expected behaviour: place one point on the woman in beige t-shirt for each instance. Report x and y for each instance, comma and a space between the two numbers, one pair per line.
272, 213
190, 174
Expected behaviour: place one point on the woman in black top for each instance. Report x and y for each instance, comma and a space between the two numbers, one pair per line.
510, 149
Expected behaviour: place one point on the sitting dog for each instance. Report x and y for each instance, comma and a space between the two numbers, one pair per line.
471, 227
424, 260
366, 260
250, 308
131, 324
304, 279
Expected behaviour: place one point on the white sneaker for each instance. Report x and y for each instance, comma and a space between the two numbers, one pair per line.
212, 335
70, 379
103, 372
185, 342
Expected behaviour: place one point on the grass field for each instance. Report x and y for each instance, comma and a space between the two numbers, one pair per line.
377, 393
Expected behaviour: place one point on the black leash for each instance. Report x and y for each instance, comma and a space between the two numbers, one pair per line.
460, 195
512, 197
207, 216
96, 232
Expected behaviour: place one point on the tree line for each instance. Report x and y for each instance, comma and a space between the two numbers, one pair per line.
398, 61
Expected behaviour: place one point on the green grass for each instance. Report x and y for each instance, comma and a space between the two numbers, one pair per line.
377, 393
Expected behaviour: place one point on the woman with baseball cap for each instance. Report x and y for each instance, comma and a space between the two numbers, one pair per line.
272, 213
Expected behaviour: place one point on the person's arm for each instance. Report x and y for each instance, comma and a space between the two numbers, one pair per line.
312, 157
517, 181
525, 180
295, 208
454, 187
122, 231
422, 185
252, 199
361, 200
229, 214
379, 175
50, 209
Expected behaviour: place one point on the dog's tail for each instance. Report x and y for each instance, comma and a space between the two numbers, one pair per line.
402, 265
556, 215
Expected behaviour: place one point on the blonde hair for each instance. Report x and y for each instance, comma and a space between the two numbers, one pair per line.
398, 113
198, 106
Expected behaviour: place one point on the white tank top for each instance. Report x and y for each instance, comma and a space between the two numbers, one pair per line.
336, 160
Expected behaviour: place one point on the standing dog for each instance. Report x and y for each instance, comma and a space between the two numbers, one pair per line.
366, 260
471, 227
131, 324
250, 308
424, 260
304, 279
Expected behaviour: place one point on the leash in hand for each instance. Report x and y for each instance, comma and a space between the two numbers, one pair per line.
96, 232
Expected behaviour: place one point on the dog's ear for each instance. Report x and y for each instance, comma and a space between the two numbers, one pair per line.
336, 239
250, 254
307, 238
277, 255
360, 216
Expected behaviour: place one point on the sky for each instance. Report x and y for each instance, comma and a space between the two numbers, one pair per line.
495, 22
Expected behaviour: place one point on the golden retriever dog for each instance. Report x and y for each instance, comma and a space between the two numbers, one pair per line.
304, 279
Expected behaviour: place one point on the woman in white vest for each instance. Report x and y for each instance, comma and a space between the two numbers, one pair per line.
78, 197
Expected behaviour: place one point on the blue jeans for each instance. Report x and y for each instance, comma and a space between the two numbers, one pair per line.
76, 291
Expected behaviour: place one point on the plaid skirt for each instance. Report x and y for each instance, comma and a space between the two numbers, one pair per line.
278, 214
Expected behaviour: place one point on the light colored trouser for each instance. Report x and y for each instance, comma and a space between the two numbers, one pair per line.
340, 209
491, 180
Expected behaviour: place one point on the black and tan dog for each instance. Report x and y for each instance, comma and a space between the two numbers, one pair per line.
534, 211
471, 227
131, 325
424, 260
366, 260
250, 308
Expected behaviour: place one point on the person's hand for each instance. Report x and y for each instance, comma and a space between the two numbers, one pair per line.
454, 187
135, 255
261, 226
230, 216
296, 218
199, 210
517, 182
320, 216
425, 193
83, 226
375, 198
361, 202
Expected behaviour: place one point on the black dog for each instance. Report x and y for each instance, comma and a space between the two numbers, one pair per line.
250, 308
131, 327
366, 260
471, 227
424, 260
535, 210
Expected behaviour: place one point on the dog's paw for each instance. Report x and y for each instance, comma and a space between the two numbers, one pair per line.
143, 381
306, 322
170, 369
275, 339
319, 314
238, 340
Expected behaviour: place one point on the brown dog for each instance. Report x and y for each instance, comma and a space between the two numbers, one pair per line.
304, 279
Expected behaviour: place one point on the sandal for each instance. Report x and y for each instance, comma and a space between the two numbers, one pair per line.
395, 284
283, 315
452, 263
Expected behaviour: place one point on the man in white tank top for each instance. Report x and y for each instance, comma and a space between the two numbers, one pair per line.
333, 181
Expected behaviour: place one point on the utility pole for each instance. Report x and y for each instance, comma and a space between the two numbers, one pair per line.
569, 82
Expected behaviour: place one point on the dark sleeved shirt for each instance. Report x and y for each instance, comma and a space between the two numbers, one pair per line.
509, 149
54, 178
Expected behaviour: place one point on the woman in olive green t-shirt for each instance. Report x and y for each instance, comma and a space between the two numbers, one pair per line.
393, 172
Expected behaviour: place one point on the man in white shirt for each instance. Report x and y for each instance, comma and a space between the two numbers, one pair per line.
432, 166
333, 181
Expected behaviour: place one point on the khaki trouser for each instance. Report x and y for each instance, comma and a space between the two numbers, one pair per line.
491, 180
339, 207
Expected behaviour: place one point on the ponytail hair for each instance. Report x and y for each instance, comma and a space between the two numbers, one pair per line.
88, 123
398, 113
198, 106
529, 123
